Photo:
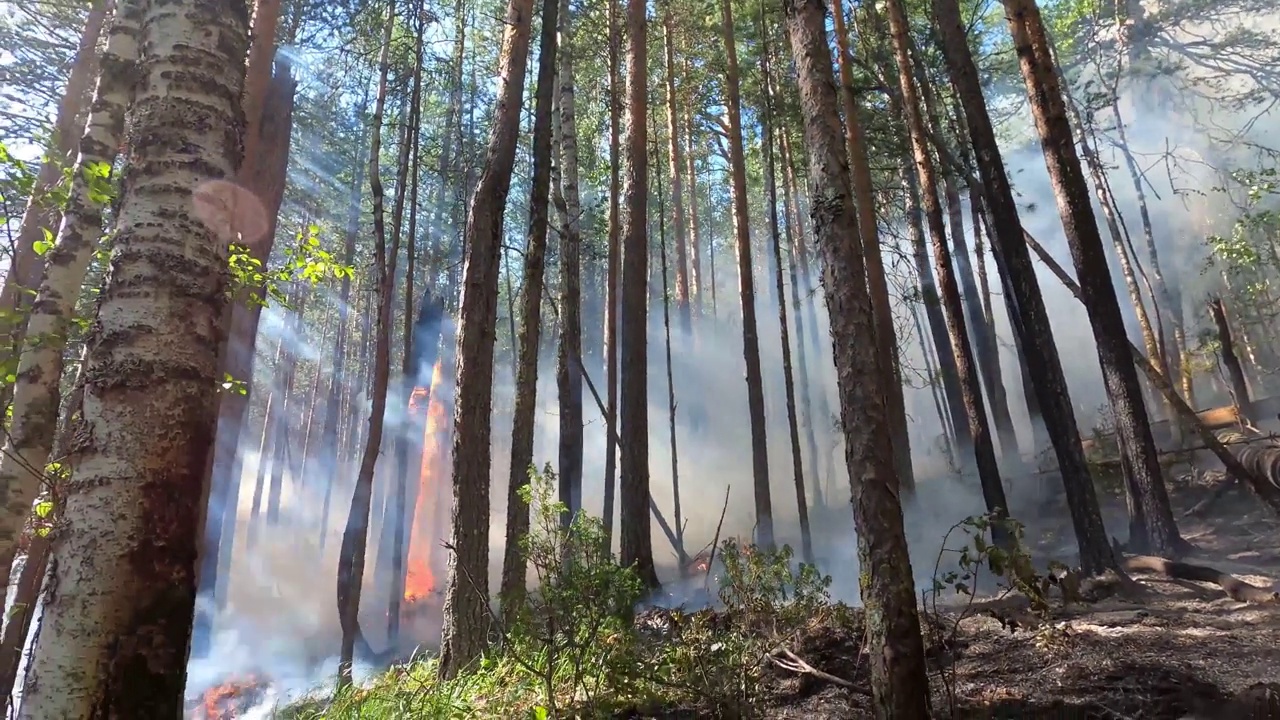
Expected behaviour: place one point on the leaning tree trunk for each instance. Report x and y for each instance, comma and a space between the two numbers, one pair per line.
971, 393
634, 528
466, 615
1151, 524
869, 237
117, 619
355, 536
1023, 301
25, 266
569, 355
899, 683
514, 562
747, 291
36, 392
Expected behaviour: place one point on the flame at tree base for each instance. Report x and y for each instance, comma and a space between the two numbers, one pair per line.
232, 699
420, 581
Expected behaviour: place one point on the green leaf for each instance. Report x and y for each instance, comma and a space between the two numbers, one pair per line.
43, 246
44, 508
541, 713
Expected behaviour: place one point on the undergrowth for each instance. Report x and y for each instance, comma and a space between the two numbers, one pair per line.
582, 646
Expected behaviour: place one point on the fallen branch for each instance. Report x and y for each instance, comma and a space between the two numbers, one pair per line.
1203, 506
794, 664
653, 506
1269, 493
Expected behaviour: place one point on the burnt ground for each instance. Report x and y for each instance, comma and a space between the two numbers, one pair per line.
1181, 650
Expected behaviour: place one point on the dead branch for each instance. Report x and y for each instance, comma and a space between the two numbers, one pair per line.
791, 663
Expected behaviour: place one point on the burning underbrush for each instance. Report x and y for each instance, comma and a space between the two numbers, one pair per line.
231, 699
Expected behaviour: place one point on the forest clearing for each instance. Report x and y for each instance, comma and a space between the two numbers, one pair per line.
615, 358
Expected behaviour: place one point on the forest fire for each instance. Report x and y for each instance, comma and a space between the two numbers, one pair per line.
232, 699
419, 580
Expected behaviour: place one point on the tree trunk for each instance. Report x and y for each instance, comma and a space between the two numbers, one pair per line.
36, 391
677, 165
282, 433
898, 677
338, 385
869, 237
970, 391
410, 372
806, 406
1023, 301
514, 562
746, 290
41, 215
671, 386
637, 542
1230, 361
569, 355
695, 240
771, 193
355, 536
116, 646
466, 618
1151, 524
612, 270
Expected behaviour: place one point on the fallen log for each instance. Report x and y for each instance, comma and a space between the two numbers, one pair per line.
1269, 493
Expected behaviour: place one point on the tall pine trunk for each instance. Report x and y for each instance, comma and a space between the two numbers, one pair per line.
1023, 299
899, 683
957, 332
771, 193
1151, 525
613, 269
466, 615
514, 562
634, 528
746, 289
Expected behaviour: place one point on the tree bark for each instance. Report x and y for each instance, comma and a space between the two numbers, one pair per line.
411, 373
612, 270
339, 385
869, 237
514, 562
1151, 525
695, 238
355, 536
116, 627
677, 164
1023, 300
568, 370
746, 290
1230, 361
41, 215
899, 682
466, 617
771, 193
970, 391
36, 391
634, 529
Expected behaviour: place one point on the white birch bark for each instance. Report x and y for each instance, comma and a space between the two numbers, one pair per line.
118, 609
36, 393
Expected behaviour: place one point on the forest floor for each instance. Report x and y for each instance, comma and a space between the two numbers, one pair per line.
1174, 649
1184, 650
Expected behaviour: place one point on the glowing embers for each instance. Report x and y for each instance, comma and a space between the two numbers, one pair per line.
232, 699
419, 580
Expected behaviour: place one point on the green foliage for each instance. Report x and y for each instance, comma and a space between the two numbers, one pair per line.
305, 261
1250, 250
577, 647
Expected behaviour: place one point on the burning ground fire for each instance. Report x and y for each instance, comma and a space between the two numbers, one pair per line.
230, 700
419, 580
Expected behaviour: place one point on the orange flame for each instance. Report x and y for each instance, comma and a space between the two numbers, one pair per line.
419, 581
230, 699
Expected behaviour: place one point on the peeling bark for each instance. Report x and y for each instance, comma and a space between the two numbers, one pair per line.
116, 627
